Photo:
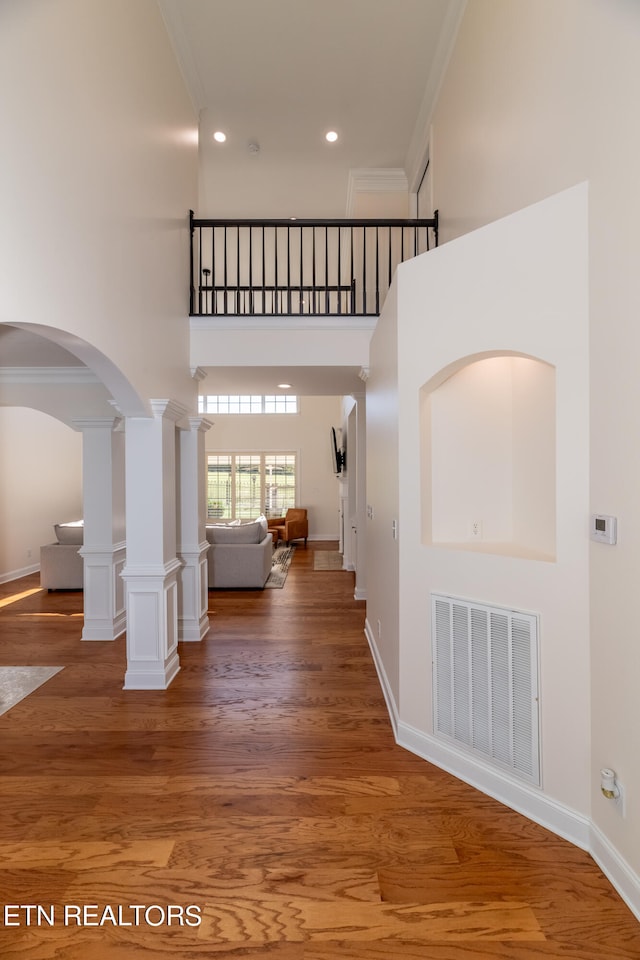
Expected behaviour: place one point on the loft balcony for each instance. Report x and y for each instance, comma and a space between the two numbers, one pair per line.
294, 268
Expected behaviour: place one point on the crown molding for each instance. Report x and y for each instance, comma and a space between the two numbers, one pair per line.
374, 180
36, 375
98, 423
418, 152
174, 26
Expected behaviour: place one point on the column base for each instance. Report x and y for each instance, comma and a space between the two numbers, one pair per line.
105, 616
139, 678
193, 593
152, 625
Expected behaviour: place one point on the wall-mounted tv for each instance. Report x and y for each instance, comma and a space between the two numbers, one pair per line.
338, 456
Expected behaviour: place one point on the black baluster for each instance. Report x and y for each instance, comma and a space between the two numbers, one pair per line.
364, 270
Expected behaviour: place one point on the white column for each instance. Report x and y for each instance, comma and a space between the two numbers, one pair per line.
151, 570
104, 548
193, 548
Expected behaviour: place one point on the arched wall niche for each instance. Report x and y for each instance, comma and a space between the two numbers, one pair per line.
488, 456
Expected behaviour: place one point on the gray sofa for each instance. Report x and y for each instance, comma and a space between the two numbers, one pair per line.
61, 566
240, 555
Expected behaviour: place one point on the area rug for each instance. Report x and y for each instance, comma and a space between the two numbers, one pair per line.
327, 560
16, 683
282, 557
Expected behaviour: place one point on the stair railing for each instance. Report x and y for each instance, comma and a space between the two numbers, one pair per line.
300, 267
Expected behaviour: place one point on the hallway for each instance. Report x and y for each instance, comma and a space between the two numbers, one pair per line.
264, 788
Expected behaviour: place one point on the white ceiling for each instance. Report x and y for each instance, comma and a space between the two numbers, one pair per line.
281, 73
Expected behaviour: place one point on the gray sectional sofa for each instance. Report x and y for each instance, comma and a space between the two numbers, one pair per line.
240, 554
61, 566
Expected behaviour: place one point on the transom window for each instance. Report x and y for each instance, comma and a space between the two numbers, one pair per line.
247, 404
241, 486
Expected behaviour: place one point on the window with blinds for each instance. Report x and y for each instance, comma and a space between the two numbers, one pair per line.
240, 486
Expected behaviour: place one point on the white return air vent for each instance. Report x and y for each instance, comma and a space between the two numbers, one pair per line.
486, 682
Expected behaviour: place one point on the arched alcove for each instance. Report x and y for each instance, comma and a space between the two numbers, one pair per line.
488, 457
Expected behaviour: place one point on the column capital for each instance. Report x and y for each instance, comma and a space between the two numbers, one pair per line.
97, 423
170, 409
200, 424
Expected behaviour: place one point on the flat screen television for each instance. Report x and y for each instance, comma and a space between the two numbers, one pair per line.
337, 452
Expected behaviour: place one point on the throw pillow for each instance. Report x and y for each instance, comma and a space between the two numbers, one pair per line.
70, 532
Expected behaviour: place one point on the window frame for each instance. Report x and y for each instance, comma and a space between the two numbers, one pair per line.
226, 508
223, 405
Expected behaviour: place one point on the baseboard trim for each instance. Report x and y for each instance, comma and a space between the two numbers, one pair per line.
616, 868
137, 678
17, 574
387, 692
525, 799
191, 632
560, 819
104, 629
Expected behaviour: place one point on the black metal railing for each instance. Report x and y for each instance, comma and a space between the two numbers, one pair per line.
300, 267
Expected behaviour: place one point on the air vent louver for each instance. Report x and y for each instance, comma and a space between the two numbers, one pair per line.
486, 682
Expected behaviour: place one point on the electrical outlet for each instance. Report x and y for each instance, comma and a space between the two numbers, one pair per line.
475, 530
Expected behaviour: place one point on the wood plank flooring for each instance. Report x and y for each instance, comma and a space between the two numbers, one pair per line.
265, 788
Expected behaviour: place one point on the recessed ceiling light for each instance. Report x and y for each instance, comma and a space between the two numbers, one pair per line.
219, 136
284, 386
331, 136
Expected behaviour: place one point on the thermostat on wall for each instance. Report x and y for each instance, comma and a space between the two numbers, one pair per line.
603, 528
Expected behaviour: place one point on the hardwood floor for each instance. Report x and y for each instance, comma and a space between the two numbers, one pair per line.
265, 788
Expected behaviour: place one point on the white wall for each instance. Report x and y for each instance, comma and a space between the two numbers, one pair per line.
99, 169
382, 494
524, 292
306, 434
519, 295
537, 97
40, 484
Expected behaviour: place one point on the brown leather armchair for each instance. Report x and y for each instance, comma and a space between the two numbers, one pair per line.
293, 526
